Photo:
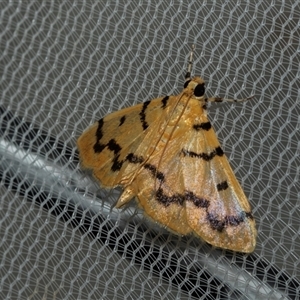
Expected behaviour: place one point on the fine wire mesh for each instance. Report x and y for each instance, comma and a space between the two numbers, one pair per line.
64, 65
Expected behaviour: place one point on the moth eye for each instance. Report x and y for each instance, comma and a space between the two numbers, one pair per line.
199, 90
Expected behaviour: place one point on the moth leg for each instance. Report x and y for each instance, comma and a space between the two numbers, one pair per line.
127, 195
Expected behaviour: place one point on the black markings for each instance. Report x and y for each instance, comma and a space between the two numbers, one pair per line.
198, 202
122, 120
117, 164
167, 200
204, 106
219, 151
222, 186
99, 133
205, 156
159, 175
143, 115
214, 221
164, 101
235, 220
179, 199
98, 147
134, 159
205, 126
219, 225
249, 215
186, 83
199, 90
112, 145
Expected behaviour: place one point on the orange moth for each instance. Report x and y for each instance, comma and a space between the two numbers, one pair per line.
165, 153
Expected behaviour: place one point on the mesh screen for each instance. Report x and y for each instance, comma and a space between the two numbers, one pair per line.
66, 64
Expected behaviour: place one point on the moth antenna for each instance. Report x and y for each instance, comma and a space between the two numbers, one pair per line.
190, 64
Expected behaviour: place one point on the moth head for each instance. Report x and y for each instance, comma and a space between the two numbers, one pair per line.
195, 88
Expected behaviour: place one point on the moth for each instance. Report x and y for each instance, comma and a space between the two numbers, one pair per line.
165, 153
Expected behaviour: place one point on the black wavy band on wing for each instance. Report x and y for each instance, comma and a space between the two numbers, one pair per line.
219, 225
214, 221
159, 175
178, 199
143, 115
206, 156
113, 146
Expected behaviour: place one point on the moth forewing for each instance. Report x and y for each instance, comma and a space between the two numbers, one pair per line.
111, 146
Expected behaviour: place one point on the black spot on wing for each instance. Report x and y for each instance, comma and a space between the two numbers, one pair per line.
143, 115
219, 151
205, 126
134, 159
222, 186
164, 101
205, 156
122, 120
